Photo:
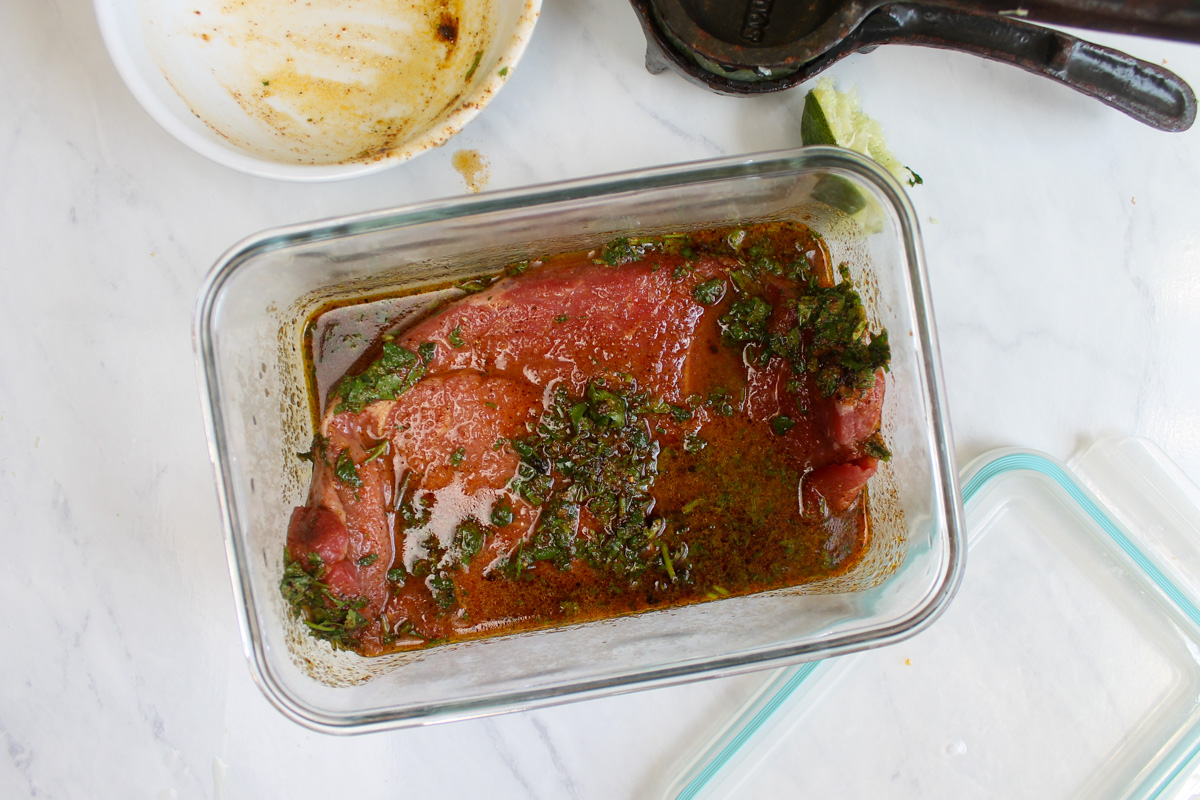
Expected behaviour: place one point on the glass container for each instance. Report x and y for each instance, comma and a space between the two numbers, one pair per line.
1068, 667
249, 325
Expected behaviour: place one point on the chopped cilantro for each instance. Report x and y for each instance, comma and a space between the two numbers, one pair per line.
681, 414
457, 456
606, 407
781, 424
709, 292
502, 513
334, 618
831, 340
393, 374
378, 450
670, 565
593, 452
469, 536
746, 321
442, 587
620, 251
346, 472
875, 448
319, 445
473, 285
654, 405
455, 337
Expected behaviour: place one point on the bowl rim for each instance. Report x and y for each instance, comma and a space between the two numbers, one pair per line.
947, 502
211, 146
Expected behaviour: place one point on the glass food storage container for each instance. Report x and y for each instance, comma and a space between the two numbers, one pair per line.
1068, 667
249, 335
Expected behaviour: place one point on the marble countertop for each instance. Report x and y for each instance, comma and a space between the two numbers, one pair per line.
1064, 259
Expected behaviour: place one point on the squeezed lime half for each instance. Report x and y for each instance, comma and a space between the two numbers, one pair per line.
836, 118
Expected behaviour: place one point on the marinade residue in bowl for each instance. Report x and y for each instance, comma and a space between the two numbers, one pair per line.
653, 423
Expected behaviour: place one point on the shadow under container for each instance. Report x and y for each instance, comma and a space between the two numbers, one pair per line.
249, 326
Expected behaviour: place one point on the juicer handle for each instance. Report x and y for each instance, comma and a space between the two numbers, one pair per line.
1147, 92
1162, 19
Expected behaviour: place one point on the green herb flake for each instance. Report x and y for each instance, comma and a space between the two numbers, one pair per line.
474, 65
594, 452
743, 281
469, 537
680, 414
457, 456
681, 269
781, 424
318, 450
607, 407
666, 556
393, 374
368, 559
346, 472
746, 321
709, 292
875, 448
620, 251
655, 405
502, 513
328, 616
442, 587
473, 285
455, 337
378, 450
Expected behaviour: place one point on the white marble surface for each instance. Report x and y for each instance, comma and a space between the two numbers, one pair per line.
1064, 257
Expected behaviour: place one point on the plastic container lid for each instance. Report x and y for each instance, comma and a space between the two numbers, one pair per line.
1068, 666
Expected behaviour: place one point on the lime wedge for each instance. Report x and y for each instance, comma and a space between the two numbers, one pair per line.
814, 125
836, 118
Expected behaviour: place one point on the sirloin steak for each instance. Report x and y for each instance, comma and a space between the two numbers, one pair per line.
655, 423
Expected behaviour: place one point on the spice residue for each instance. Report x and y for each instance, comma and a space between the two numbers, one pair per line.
473, 168
325, 81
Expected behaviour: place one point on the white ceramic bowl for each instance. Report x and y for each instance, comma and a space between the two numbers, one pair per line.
323, 90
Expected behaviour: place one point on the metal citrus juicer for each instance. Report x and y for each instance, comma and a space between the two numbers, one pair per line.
743, 47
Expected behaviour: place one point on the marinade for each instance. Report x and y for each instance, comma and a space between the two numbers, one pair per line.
657, 422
